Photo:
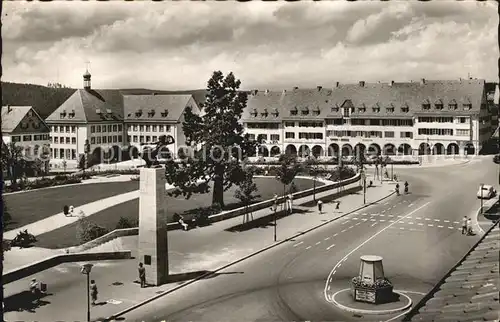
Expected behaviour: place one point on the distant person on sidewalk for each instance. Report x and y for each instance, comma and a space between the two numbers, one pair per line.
274, 207
320, 206
464, 225
289, 200
142, 275
469, 226
34, 290
180, 220
93, 291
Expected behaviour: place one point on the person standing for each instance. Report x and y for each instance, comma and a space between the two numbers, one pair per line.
320, 206
469, 226
290, 203
464, 225
93, 291
142, 275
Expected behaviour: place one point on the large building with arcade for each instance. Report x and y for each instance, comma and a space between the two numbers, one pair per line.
411, 118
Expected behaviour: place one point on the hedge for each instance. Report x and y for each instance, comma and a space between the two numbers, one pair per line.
58, 180
333, 162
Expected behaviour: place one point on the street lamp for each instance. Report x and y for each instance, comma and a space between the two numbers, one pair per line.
275, 207
363, 174
86, 269
482, 185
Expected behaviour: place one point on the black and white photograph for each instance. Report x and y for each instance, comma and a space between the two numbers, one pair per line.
250, 161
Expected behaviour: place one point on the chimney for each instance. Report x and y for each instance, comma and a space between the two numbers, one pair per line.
254, 92
154, 93
284, 92
295, 87
362, 83
337, 84
391, 83
422, 81
319, 88
267, 91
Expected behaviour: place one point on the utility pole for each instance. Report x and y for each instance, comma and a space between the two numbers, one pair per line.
482, 185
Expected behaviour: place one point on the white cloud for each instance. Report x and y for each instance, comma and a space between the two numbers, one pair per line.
176, 45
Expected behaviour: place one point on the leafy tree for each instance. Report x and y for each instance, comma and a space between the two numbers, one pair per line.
124, 222
13, 161
342, 172
87, 230
246, 190
313, 168
287, 170
220, 136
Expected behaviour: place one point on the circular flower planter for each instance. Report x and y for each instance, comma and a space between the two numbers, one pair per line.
378, 292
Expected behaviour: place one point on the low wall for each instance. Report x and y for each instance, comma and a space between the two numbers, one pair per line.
105, 238
39, 266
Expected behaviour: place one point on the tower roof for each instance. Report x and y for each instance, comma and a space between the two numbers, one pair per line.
86, 74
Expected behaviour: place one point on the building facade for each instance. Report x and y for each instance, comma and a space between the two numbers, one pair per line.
22, 126
109, 123
416, 118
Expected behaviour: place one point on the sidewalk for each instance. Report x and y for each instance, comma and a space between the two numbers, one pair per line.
190, 252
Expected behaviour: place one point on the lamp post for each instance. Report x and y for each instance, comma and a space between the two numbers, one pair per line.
86, 269
482, 185
275, 207
86, 151
364, 185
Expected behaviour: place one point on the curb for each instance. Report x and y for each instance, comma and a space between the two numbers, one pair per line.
478, 212
372, 312
138, 305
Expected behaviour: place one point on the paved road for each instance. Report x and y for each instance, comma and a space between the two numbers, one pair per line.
417, 235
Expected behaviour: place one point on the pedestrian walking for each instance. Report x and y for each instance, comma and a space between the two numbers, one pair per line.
290, 203
274, 207
142, 275
320, 206
93, 291
464, 225
469, 226
34, 290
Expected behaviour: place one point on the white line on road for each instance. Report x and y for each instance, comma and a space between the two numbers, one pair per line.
382, 215
318, 243
386, 204
391, 216
400, 216
450, 227
343, 231
446, 221
456, 222
383, 211
391, 220
365, 219
298, 244
402, 228
366, 241
430, 225
410, 217
345, 222
335, 235
410, 205
327, 238
358, 223
436, 220
308, 247
440, 226
382, 220
374, 224
356, 218
328, 287
420, 224
351, 227
427, 219
372, 219
411, 223
418, 218
328, 248
364, 214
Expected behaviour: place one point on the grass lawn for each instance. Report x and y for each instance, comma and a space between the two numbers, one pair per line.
32, 206
66, 236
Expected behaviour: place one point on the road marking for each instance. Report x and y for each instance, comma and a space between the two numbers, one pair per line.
383, 211
345, 222
418, 218
308, 247
363, 243
328, 248
365, 219
391, 220
386, 204
410, 205
456, 222
436, 220
343, 231
411, 223
402, 228
410, 217
440, 226
446, 221
115, 302
430, 225
335, 235
318, 243
420, 224
427, 219
358, 223
374, 224
391, 216
356, 218
402, 222
298, 244
327, 238
351, 227
364, 214
382, 215
450, 227
400, 216
372, 219
382, 220
328, 287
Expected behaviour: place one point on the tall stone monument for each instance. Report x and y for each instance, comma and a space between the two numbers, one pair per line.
153, 242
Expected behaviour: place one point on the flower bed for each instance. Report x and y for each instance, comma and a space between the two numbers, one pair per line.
380, 291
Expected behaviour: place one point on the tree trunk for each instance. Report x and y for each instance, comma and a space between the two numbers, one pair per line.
218, 193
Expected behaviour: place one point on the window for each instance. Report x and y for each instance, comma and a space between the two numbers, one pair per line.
110, 139
55, 129
263, 126
56, 139
61, 129
290, 135
67, 129
374, 122
390, 109
426, 106
119, 138
275, 137
251, 137
334, 122
452, 106
264, 113
104, 128
135, 127
110, 128
357, 122
148, 128
305, 111
362, 109
310, 136
406, 135
73, 140
26, 137
376, 109
73, 154
160, 128
389, 134
98, 128
310, 124
16, 138
115, 127
154, 128
92, 129
435, 131
104, 139
92, 140
119, 127
135, 139
405, 108
262, 137
73, 129
148, 138
346, 111
461, 132
316, 111
99, 140
289, 124
115, 138
155, 138
254, 113
463, 120
167, 128
294, 111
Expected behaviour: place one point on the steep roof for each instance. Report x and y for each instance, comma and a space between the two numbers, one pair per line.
12, 116
469, 292
365, 97
156, 107
90, 106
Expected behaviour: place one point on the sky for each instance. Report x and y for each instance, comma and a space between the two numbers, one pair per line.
177, 45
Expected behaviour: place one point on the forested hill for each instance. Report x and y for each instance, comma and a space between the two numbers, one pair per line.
44, 99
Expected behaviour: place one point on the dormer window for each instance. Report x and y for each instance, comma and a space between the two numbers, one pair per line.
63, 113
71, 114
426, 105
316, 111
452, 105
164, 113
254, 112
275, 112
304, 111
405, 108
151, 113
264, 113
467, 106
335, 109
294, 111
390, 109
438, 104
376, 109
362, 108
30, 113
24, 125
138, 113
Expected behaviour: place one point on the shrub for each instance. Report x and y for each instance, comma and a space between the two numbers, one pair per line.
86, 230
124, 223
342, 173
293, 188
23, 239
